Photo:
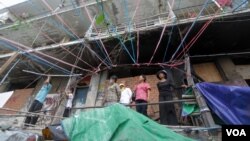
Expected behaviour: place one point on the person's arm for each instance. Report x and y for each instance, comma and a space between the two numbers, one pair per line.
149, 90
118, 91
47, 80
130, 93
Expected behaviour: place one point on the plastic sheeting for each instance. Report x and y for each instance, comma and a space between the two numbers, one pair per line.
4, 97
188, 109
230, 103
115, 123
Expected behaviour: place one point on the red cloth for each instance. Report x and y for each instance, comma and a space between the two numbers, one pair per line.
225, 2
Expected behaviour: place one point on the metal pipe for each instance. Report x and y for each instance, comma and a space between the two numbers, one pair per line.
54, 75
7, 74
153, 103
220, 54
52, 14
30, 113
53, 46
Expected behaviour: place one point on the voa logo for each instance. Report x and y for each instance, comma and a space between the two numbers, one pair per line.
236, 132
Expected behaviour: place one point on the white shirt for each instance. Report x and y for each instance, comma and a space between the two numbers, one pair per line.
69, 102
126, 96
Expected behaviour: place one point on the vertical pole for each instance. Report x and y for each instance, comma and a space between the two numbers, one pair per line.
205, 112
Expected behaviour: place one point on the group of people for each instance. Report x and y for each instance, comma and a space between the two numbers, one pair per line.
120, 93
140, 95
40, 98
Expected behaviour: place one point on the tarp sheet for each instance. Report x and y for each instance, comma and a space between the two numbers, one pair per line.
188, 109
116, 123
230, 103
4, 97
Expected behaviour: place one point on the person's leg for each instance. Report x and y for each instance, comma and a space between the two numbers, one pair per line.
138, 107
145, 108
31, 109
171, 113
38, 107
66, 112
163, 110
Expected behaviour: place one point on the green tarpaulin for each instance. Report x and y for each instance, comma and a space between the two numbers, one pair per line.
116, 123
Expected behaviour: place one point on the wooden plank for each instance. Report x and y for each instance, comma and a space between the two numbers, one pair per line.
7, 63
243, 70
229, 69
208, 72
205, 112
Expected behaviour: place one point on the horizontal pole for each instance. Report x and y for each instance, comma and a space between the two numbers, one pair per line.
30, 113
42, 48
52, 75
153, 103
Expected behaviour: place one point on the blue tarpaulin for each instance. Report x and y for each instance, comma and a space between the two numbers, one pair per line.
230, 103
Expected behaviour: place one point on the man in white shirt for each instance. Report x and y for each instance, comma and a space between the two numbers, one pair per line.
126, 94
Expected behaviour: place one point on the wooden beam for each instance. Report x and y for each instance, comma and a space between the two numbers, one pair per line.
7, 63
205, 112
243, 70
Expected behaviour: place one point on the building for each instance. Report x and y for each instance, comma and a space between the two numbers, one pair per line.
122, 37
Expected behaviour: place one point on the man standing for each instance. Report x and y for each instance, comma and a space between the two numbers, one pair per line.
38, 102
70, 97
126, 94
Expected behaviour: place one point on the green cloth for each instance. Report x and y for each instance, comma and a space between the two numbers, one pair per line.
188, 109
116, 123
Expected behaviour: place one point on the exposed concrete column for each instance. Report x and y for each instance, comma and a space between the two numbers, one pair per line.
93, 90
228, 69
101, 89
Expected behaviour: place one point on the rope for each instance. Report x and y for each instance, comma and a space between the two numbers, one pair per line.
129, 24
46, 71
170, 37
118, 37
91, 20
189, 30
163, 30
38, 52
37, 58
62, 21
195, 38
53, 40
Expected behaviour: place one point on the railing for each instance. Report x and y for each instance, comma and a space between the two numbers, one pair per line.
182, 15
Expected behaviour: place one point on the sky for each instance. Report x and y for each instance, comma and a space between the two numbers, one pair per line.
7, 3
